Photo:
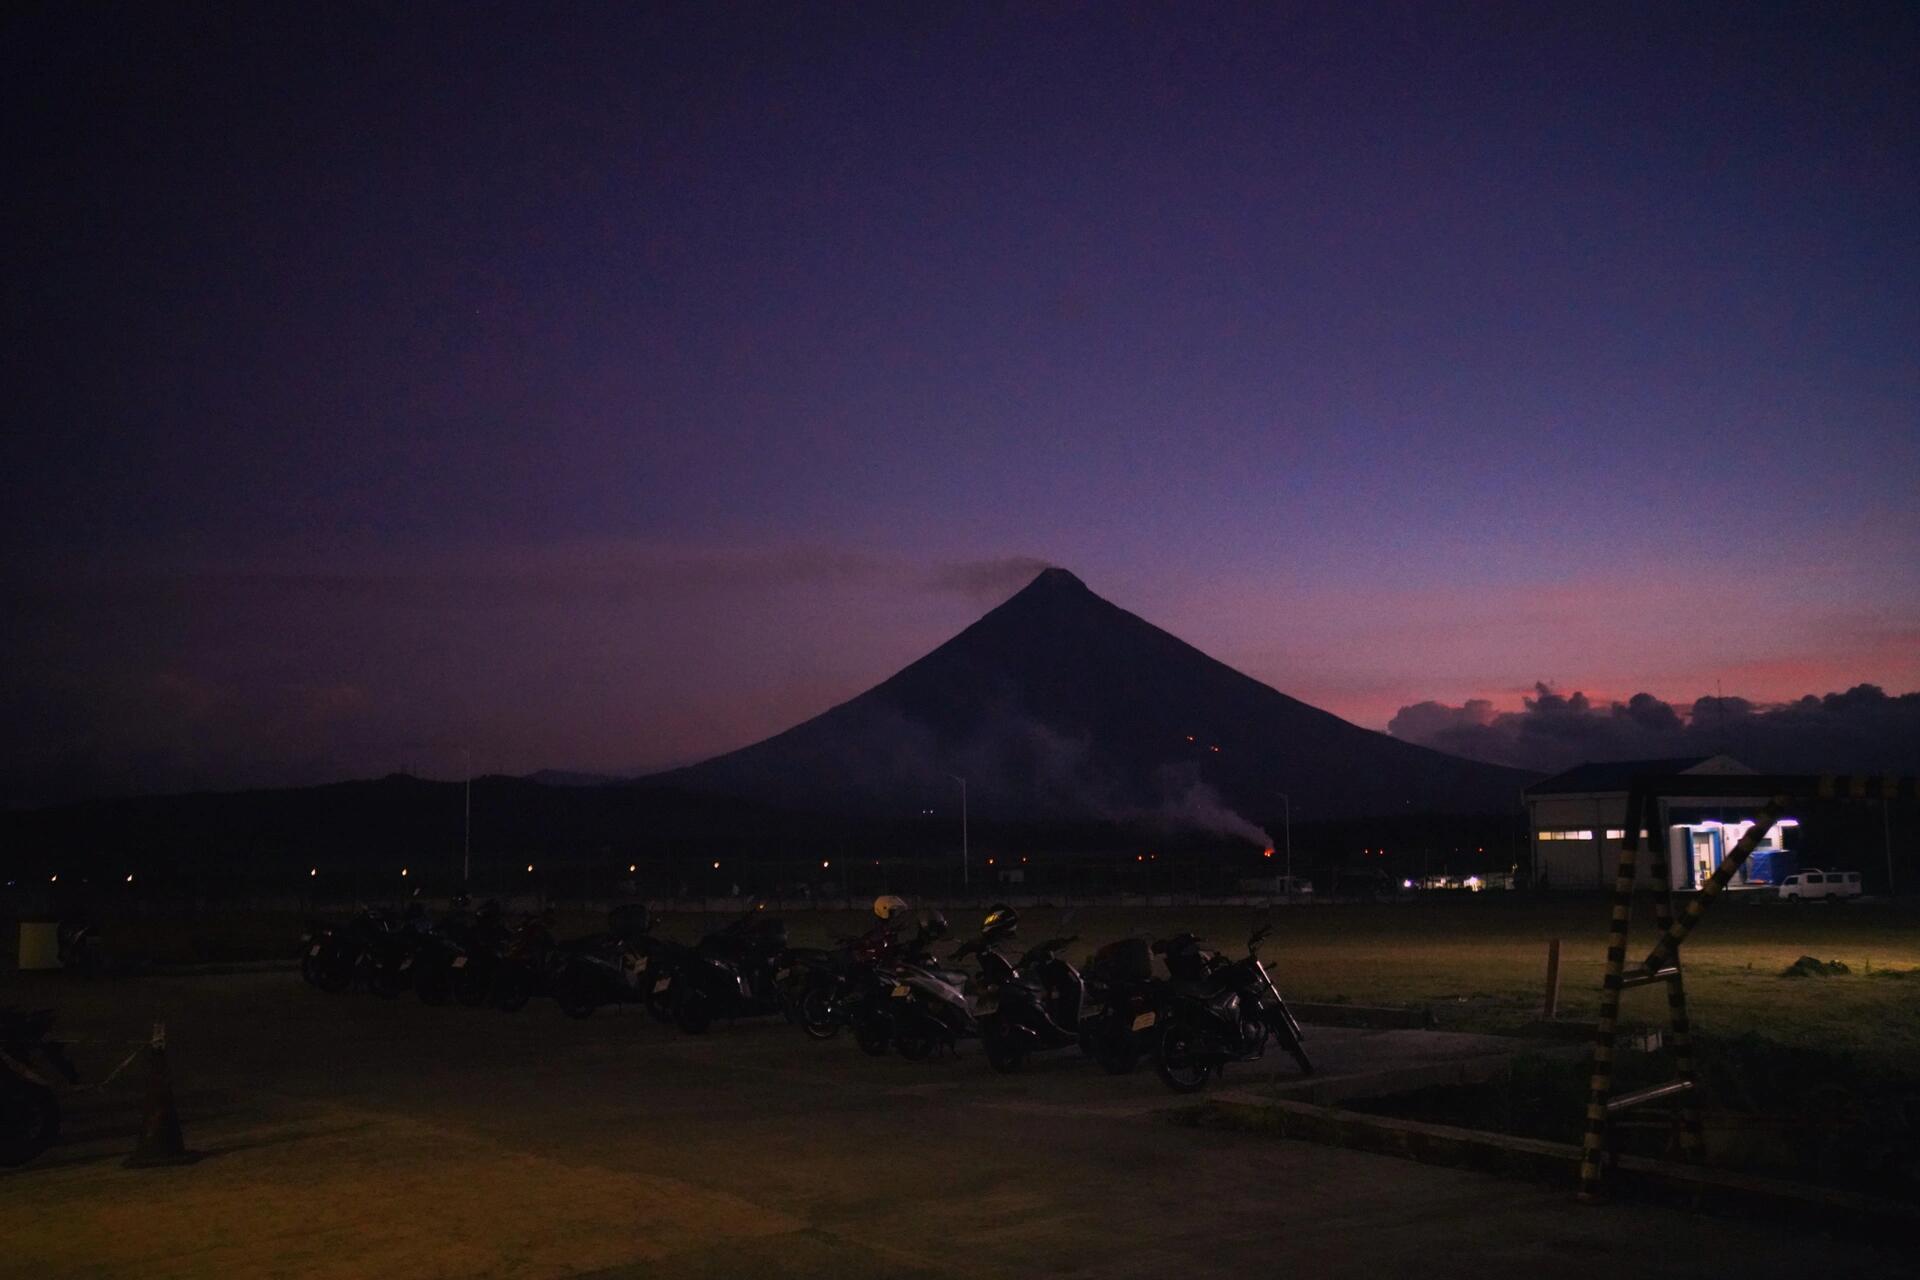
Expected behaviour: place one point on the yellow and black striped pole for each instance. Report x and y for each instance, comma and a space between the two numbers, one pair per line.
1593, 1148
1680, 1032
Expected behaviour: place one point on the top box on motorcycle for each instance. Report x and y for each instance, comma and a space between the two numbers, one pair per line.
1127, 960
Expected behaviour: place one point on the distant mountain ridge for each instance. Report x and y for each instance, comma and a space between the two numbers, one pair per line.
1058, 703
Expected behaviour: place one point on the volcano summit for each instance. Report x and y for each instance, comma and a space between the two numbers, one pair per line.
1058, 704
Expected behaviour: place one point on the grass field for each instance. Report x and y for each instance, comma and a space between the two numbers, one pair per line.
1478, 962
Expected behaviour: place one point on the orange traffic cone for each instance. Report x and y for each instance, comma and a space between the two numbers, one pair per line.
160, 1140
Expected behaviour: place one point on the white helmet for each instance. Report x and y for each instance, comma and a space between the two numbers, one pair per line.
887, 906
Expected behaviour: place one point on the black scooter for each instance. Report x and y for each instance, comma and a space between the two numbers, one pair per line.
1227, 1015
604, 968
731, 974
1029, 1007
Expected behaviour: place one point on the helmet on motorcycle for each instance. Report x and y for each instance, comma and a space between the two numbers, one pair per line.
887, 906
1001, 917
933, 924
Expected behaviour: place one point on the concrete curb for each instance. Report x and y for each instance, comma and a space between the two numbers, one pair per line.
1374, 1017
1558, 1162
213, 968
1328, 1090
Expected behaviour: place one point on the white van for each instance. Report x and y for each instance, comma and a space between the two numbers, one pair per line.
1815, 883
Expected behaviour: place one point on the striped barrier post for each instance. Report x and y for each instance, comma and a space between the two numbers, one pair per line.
1680, 1034
1593, 1146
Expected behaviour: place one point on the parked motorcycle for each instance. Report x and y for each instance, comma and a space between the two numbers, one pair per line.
605, 968
1228, 1013
932, 1005
826, 990
29, 1105
1030, 1006
731, 974
1122, 1005
456, 959
524, 964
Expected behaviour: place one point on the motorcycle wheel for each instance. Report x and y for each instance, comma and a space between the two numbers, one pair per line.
1004, 1053
693, 1014
1177, 1063
29, 1120
660, 1004
574, 995
874, 1035
331, 973
512, 988
431, 984
915, 1045
471, 987
817, 1017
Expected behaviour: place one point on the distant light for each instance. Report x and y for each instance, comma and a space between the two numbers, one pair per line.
716, 866
1023, 857
1267, 853
1213, 749
632, 867
314, 872
989, 862
1139, 857
129, 877
403, 871
1406, 884
823, 862
54, 879
529, 866
1189, 737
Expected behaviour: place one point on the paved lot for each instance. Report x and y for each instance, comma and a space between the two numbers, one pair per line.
347, 1136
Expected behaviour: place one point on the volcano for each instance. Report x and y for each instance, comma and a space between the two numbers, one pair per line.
1060, 705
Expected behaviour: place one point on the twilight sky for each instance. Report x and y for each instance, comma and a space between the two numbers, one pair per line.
541, 386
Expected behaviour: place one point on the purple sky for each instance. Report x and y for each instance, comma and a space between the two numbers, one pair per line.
605, 390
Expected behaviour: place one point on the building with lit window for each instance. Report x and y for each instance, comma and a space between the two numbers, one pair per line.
1578, 820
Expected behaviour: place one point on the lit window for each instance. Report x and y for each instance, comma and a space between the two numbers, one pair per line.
1578, 835
1616, 833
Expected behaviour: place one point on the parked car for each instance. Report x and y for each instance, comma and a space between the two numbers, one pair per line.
1815, 883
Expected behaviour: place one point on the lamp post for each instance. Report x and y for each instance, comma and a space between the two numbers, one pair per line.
466, 838
965, 881
1286, 811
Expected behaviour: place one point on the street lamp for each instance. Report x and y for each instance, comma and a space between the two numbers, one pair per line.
965, 882
1286, 811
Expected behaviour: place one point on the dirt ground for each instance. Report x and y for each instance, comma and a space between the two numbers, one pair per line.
345, 1136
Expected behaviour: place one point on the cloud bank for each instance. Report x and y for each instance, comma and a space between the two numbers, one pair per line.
1864, 730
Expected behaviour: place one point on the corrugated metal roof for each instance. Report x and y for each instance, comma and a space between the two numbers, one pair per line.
1610, 775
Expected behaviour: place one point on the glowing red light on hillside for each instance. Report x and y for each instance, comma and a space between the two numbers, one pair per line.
1267, 853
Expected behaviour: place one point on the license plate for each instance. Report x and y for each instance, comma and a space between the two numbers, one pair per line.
1145, 1020
662, 985
314, 950
459, 962
899, 990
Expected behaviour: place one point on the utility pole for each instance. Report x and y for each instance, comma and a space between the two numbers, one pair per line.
965, 882
466, 839
1287, 830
